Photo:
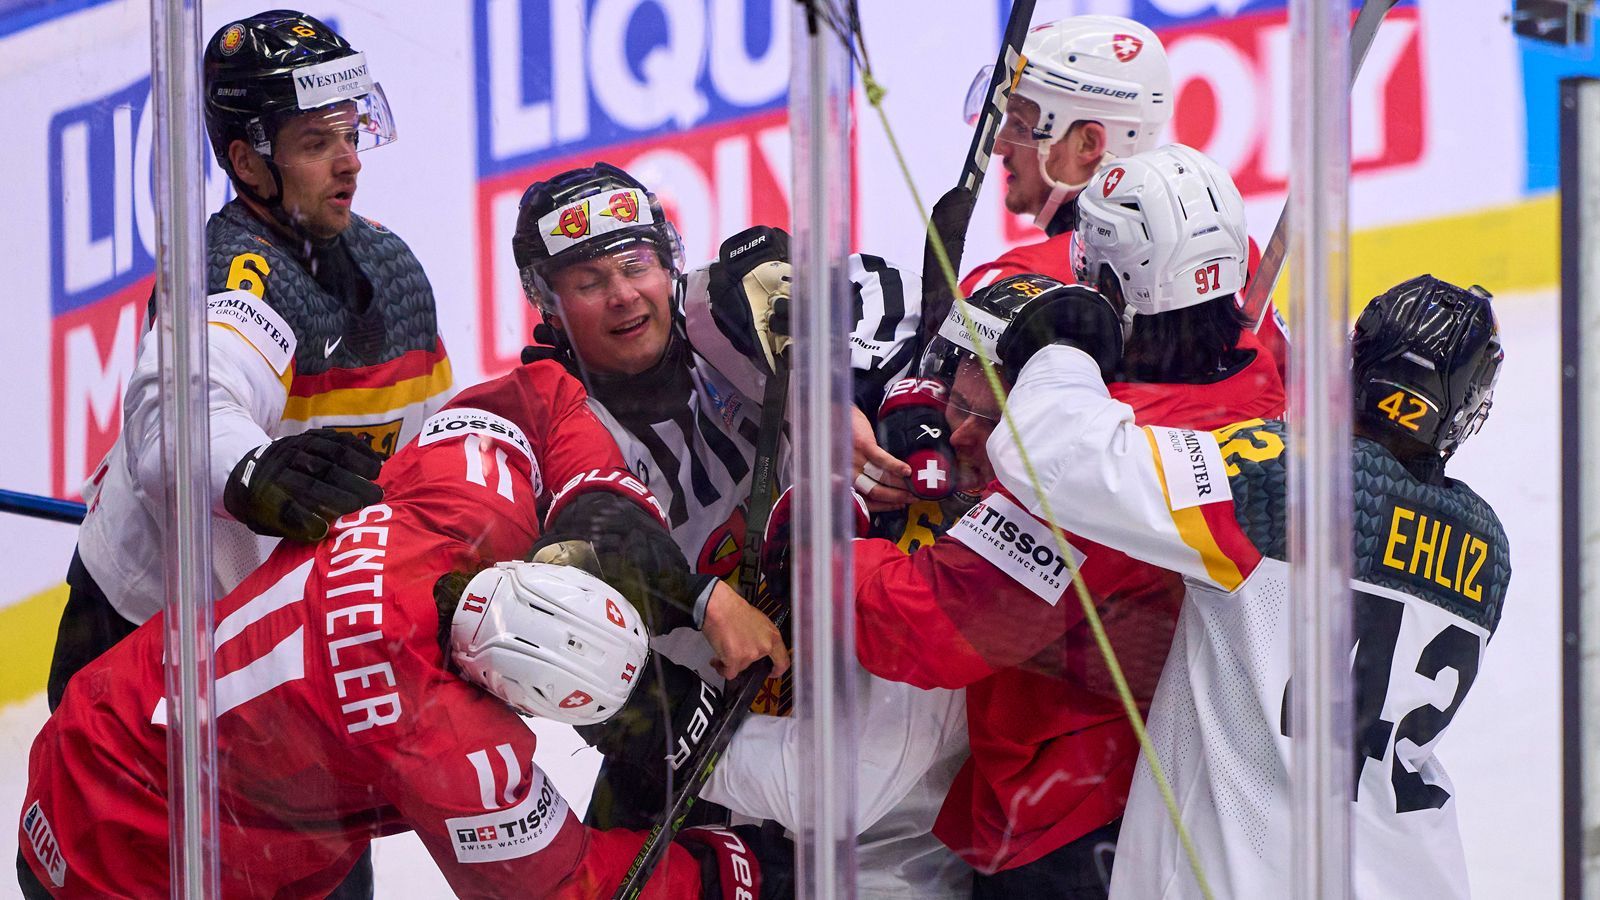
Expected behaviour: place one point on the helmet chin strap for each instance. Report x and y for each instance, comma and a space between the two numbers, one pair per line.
1059, 193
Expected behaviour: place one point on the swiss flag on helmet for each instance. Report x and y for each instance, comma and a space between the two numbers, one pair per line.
575, 700
1113, 178
614, 615
1126, 46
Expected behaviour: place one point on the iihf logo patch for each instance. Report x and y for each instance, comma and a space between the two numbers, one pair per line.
1113, 178
1126, 46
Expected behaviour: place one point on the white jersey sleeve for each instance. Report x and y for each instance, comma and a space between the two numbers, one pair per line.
246, 391
1142, 490
910, 744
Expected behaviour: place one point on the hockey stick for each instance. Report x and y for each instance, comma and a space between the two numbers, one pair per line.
1259, 289
742, 690
68, 511
952, 212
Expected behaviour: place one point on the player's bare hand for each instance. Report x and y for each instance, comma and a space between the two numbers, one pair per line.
739, 634
880, 477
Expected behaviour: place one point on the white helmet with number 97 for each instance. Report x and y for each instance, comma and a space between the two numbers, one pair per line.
550, 640
1165, 228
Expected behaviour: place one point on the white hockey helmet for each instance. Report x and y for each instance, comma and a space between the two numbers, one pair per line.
550, 640
1169, 224
1104, 69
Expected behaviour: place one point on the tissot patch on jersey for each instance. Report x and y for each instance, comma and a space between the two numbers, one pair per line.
1191, 463
465, 420
259, 324
1017, 544
522, 830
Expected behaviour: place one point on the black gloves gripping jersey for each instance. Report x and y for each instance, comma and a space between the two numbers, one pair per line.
1073, 315
295, 486
637, 557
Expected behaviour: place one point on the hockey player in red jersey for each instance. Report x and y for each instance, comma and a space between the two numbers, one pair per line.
1089, 88
985, 607
355, 698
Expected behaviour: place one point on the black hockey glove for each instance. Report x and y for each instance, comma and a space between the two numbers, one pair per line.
1073, 315
744, 862
648, 741
912, 428
637, 557
749, 293
296, 486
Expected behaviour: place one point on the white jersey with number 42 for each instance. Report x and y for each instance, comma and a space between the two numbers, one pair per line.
1431, 568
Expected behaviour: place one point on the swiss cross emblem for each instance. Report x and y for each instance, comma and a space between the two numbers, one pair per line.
614, 615
623, 206
487, 833
932, 475
1113, 178
575, 700
574, 221
1126, 46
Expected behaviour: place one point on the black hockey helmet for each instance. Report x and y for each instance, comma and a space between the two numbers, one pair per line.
262, 70
992, 308
582, 214
1425, 355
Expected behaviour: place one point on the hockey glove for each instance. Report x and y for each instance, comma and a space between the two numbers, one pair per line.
1073, 315
912, 427
749, 288
747, 862
637, 556
294, 487
648, 741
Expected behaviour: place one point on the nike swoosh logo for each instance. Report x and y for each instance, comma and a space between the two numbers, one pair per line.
329, 346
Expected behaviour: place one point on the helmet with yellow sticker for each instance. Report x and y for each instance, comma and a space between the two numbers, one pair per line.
1425, 356
582, 214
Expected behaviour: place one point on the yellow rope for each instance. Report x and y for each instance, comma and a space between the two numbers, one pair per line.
875, 94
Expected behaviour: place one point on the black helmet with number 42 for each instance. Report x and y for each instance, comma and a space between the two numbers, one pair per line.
1425, 356
263, 70
582, 214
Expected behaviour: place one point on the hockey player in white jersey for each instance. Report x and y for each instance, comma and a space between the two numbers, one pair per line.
1431, 569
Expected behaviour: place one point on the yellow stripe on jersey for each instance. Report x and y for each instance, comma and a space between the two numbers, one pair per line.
362, 401
1193, 529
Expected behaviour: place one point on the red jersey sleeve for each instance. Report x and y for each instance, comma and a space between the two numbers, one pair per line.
574, 451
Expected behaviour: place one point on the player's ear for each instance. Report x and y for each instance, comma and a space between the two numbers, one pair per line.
1089, 143
251, 168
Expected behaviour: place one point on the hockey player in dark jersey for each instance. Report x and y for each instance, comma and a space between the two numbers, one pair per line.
325, 355
1431, 567
369, 684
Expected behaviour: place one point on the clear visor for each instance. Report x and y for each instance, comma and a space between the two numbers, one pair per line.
1021, 114
347, 126
958, 369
